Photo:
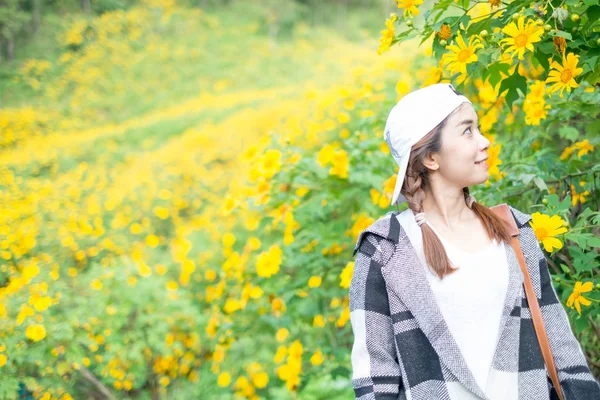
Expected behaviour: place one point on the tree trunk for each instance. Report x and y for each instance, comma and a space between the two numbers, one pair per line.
37, 5
85, 6
10, 49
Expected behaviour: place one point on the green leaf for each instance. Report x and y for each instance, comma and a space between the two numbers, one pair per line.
340, 371
581, 323
593, 241
593, 12
513, 83
493, 71
568, 132
563, 34
540, 183
526, 178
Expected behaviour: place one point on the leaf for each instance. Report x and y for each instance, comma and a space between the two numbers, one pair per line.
526, 178
565, 204
340, 371
540, 183
581, 323
513, 83
568, 132
563, 34
493, 71
593, 12
593, 241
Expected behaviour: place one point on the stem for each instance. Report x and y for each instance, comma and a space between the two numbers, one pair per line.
594, 327
580, 228
94, 381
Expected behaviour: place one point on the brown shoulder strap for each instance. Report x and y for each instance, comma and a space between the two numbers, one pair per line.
504, 212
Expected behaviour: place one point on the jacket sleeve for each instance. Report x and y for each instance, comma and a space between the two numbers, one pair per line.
375, 368
574, 375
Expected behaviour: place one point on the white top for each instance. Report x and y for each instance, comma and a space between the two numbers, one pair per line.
470, 299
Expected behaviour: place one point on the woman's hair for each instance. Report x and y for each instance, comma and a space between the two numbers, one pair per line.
417, 182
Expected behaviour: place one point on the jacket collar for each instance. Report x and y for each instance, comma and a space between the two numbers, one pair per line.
407, 280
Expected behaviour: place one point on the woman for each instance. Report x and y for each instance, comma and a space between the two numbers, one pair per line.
437, 304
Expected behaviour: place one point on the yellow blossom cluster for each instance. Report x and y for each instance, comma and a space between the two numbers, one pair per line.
534, 105
290, 371
338, 158
582, 148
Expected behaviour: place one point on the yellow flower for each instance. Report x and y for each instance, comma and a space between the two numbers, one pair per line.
270, 163
282, 334
434, 75
325, 155
584, 147
3, 360
578, 197
494, 161
314, 282
546, 227
224, 379
228, 239
410, 7
340, 164
232, 305
172, 285
378, 198
461, 54
35, 332
535, 111
346, 275
521, 37
319, 321
280, 354
362, 222
564, 75
268, 262
260, 379
317, 358
576, 296
152, 240
96, 284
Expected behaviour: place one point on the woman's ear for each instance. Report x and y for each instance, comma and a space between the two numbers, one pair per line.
430, 161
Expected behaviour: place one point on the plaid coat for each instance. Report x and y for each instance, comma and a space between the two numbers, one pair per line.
403, 348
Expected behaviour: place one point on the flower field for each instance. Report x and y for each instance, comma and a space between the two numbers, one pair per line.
181, 191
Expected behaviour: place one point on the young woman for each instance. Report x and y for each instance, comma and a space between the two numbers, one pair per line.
437, 304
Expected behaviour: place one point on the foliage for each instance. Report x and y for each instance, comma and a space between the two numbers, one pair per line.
517, 60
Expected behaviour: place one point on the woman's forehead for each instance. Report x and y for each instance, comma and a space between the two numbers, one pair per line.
465, 111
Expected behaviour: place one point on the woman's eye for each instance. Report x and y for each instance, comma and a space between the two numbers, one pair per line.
469, 129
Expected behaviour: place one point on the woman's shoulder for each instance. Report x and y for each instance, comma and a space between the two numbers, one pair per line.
385, 229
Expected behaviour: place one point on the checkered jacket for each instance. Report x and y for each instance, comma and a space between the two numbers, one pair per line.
402, 346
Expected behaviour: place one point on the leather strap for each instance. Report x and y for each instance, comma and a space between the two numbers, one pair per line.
504, 212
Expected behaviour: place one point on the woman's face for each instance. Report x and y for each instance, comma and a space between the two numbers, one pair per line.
462, 146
